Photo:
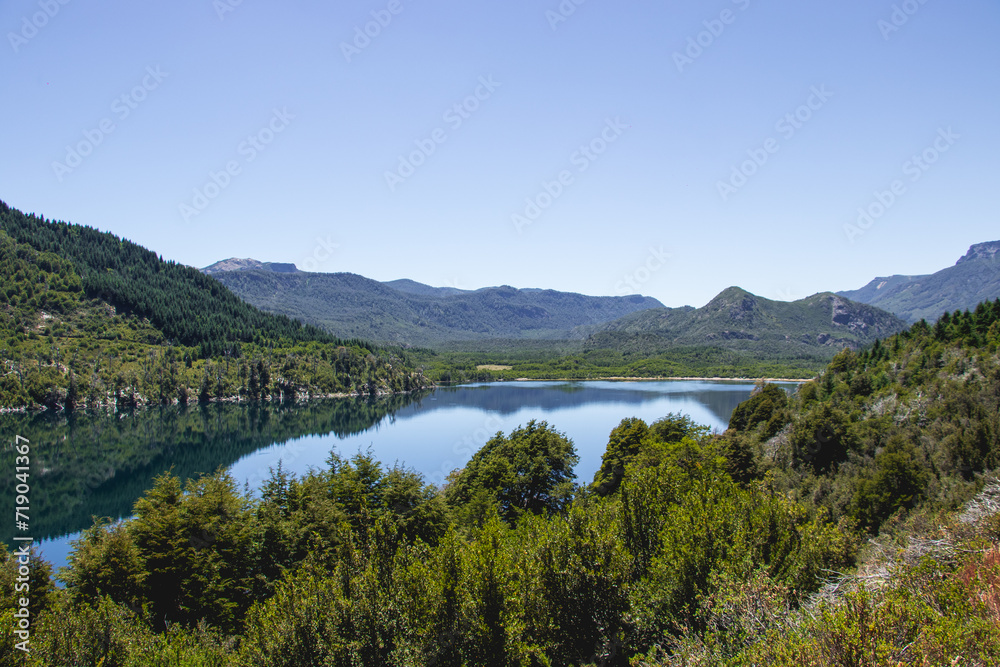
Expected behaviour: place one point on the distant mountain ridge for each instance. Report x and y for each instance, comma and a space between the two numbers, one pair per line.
821, 324
408, 312
974, 278
411, 313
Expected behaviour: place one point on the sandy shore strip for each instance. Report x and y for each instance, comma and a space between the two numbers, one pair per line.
651, 379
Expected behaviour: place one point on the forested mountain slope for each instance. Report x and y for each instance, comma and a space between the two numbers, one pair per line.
413, 287
736, 334
91, 319
188, 306
973, 279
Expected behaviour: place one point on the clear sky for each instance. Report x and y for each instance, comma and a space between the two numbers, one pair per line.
671, 148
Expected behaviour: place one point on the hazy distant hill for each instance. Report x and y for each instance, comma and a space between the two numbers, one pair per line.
973, 279
407, 312
420, 289
736, 319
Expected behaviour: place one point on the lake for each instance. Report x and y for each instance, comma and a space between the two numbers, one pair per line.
98, 464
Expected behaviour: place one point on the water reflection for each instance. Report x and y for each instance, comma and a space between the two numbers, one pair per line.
87, 464
721, 398
98, 464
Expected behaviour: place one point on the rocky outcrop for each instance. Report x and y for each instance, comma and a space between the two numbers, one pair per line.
248, 264
981, 251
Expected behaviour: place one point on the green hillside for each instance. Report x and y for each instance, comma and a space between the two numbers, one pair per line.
537, 333
737, 319
408, 313
92, 320
973, 279
188, 306
420, 289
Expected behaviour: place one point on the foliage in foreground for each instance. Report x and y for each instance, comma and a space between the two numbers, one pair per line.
361, 565
928, 595
358, 564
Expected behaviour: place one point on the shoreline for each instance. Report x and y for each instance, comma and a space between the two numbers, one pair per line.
307, 398
229, 400
617, 378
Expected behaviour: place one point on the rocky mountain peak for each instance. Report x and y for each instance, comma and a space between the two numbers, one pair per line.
248, 264
979, 251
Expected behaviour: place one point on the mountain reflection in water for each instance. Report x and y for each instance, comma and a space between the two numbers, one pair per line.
89, 464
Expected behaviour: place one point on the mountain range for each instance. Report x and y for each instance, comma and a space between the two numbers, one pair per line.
411, 313
974, 278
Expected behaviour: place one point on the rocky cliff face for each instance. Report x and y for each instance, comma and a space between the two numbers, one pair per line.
980, 251
849, 314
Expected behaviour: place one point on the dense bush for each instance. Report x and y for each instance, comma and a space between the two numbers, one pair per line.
913, 420
359, 564
531, 471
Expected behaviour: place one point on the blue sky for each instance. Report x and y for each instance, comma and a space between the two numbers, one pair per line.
666, 148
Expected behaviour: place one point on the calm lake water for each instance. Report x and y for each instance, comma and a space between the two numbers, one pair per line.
98, 464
